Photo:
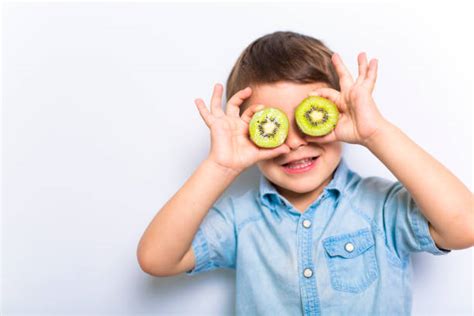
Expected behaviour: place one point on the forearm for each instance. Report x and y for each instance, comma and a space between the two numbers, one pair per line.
170, 234
443, 199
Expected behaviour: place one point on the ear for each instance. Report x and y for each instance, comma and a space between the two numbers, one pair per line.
243, 107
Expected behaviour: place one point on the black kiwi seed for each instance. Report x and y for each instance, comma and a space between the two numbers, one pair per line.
316, 123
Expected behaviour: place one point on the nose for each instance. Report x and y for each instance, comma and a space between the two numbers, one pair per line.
295, 137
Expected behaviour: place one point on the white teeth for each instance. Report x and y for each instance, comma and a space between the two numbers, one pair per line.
299, 164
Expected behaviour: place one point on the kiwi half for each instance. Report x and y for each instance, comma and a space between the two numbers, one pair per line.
316, 116
268, 128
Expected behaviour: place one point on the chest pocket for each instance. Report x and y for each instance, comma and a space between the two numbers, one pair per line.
351, 260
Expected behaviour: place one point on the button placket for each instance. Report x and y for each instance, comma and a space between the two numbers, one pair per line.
306, 223
308, 280
308, 276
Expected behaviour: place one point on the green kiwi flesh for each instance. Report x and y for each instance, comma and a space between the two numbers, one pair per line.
268, 128
316, 116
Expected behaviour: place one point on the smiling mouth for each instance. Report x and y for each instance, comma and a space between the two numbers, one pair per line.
300, 164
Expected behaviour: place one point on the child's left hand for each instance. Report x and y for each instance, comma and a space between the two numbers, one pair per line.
359, 118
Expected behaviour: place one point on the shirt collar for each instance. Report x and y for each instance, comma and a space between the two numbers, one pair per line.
340, 178
269, 195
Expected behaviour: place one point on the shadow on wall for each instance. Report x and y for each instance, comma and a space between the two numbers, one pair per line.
210, 293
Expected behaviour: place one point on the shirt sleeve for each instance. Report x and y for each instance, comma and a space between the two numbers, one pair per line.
214, 244
406, 228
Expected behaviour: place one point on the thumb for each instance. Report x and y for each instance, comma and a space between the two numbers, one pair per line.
264, 154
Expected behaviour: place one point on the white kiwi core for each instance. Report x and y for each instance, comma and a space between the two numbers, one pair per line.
316, 116
268, 127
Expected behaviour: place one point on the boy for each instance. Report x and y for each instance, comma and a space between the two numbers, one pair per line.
315, 238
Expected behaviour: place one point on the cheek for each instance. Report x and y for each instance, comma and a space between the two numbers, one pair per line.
263, 165
333, 149
266, 167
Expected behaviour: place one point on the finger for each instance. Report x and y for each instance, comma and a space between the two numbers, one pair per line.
372, 74
345, 78
203, 111
327, 93
247, 115
264, 154
331, 137
233, 106
330, 94
362, 62
216, 100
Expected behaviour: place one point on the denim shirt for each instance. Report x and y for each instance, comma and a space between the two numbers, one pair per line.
348, 253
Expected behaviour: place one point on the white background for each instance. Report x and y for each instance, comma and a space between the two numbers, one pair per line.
100, 130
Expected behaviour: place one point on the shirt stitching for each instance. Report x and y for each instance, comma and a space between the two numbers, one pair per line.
392, 256
247, 221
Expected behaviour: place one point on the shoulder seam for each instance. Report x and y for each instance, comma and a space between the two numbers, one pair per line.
247, 221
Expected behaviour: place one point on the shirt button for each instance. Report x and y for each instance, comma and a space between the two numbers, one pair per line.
308, 272
349, 247
306, 223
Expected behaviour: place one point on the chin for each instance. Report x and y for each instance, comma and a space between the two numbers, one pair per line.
303, 188
300, 187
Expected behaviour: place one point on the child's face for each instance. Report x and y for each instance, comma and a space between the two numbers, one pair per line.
286, 96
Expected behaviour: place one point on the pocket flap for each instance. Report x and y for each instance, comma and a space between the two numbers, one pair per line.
349, 245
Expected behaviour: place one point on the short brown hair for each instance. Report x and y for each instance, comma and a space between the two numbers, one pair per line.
282, 56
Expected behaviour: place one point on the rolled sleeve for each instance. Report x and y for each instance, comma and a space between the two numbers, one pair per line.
201, 253
214, 244
422, 233
406, 228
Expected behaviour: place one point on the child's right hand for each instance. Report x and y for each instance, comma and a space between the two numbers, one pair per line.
231, 147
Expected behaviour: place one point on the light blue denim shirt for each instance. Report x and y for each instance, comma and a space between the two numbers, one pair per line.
348, 253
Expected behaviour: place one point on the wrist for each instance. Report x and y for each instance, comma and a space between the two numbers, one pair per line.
220, 170
380, 135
